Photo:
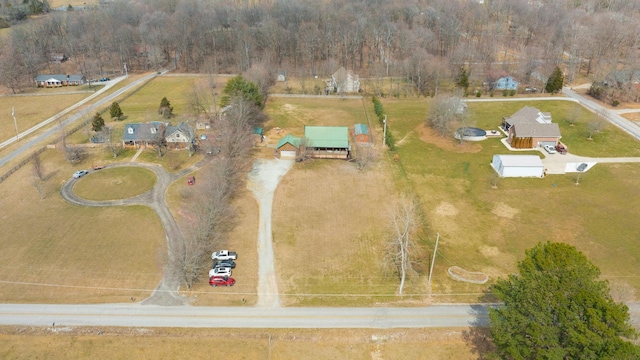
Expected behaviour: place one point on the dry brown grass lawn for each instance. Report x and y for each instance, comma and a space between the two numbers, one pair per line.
151, 343
32, 110
59, 253
329, 226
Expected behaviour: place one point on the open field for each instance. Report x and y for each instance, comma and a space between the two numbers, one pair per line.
116, 183
28, 114
292, 114
124, 343
488, 230
60, 253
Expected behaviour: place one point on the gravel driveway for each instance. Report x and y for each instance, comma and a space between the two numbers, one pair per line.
263, 181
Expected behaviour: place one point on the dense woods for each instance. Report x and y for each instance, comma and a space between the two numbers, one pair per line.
418, 40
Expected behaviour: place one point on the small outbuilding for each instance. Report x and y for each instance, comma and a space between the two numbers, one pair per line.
288, 147
327, 142
518, 165
361, 133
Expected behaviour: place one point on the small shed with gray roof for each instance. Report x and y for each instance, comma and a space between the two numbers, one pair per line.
518, 165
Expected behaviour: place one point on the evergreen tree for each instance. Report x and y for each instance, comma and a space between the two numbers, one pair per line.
556, 308
115, 111
555, 81
463, 79
97, 123
240, 87
165, 109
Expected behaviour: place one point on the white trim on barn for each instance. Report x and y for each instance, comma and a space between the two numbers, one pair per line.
287, 154
518, 165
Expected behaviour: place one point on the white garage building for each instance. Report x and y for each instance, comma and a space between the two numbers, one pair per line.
518, 165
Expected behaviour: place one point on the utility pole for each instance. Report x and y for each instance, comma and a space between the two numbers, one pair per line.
126, 72
435, 249
384, 131
15, 122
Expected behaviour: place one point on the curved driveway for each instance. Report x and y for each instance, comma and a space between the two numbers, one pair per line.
167, 292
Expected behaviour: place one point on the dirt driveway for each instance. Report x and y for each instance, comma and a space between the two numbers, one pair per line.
263, 181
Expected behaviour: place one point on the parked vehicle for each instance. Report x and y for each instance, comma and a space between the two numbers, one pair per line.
221, 281
191, 180
224, 263
220, 272
550, 149
582, 167
561, 149
80, 173
224, 255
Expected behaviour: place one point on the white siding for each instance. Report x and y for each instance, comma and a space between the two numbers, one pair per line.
518, 165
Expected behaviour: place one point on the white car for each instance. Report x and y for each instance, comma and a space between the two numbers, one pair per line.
80, 173
221, 271
550, 149
224, 255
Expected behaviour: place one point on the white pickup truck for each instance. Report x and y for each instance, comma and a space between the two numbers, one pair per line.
224, 255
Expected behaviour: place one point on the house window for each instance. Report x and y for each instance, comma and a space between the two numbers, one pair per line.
177, 135
130, 130
153, 130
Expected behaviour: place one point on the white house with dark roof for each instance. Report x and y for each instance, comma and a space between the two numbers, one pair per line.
178, 136
59, 80
343, 81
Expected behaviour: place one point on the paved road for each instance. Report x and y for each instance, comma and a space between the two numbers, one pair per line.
242, 317
29, 144
607, 114
167, 291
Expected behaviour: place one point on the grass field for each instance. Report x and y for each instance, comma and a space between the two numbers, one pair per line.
28, 115
488, 230
115, 183
60, 253
151, 343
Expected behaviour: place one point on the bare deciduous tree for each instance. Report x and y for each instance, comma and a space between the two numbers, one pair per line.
401, 248
39, 177
365, 155
594, 126
444, 111
112, 144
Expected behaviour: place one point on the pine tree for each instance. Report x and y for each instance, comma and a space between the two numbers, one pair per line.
97, 123
555, 81
463, 79
115, 111
165, 109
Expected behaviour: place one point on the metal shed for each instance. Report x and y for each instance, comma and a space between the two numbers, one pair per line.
518, 165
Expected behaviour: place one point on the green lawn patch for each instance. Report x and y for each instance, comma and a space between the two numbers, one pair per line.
115, 183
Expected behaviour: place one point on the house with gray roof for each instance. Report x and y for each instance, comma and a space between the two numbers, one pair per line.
146, 134
59, 80
179, 137
529, 128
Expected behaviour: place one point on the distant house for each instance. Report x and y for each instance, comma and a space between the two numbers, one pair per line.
343, 81
288, 147
147, 134
58, 58
531, 128
59, 80
505, 83
361, 134
178, 137
518, 165
326, 142
282, 76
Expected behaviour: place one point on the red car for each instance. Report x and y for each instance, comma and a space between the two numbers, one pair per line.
191, 180
221, 281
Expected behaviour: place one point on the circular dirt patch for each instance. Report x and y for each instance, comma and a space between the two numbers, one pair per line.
505, 211
114, 184
446, 209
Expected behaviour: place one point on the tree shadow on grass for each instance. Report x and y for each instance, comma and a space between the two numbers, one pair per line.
477, 336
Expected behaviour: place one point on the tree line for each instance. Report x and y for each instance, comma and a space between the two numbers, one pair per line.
421, 41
